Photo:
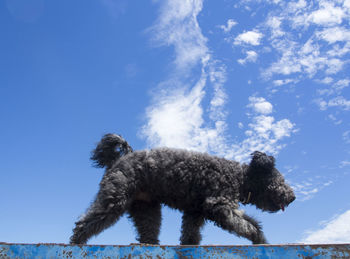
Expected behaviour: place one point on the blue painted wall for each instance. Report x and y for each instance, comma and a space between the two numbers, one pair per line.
10, 251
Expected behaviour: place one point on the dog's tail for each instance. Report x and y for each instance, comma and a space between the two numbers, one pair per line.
110, 149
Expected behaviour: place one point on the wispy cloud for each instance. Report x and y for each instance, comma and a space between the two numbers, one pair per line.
251, 57
335, 120
229, 25
336, 230
339, 102
312, 39
327, 80
286, 81
177, 26
332, 96
344, 163
346, 136
307, 59
301, 40
274, 23
307, 188
264, 133
217, 77
178, 118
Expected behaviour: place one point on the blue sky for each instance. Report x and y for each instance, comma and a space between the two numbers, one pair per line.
223, 77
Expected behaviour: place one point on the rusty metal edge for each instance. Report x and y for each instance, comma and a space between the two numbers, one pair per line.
217, 245
60, 250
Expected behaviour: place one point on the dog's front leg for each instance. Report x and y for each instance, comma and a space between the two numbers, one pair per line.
109, 205
260, 238
226, 215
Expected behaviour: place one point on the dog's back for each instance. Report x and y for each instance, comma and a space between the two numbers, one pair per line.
179, 178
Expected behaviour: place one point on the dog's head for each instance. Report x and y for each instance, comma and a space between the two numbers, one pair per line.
265, 185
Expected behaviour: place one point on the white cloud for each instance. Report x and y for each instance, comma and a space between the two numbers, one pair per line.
262, 125
227, 28
282, 128
336, 88
327, 15
249, 37
296, 6
307, 59
280, 82
334, 34
327, 80
177, 121
260, 105
322, 104
251, 57
339, 101
346, 5
311, 39
264, 133
274, 23
332, 97
337, 230
339, 51
288, 63
217, 77
177, 25
334, 65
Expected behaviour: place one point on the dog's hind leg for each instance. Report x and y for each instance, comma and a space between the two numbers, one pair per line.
110, 203
226, 215
147, 217
191, 227
260, 239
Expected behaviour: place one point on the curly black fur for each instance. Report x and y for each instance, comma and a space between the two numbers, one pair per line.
110, 149
203, 187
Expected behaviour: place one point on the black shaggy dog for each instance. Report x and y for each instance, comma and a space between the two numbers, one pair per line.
203, 187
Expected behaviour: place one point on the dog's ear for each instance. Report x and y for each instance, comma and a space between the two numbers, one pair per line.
262, 161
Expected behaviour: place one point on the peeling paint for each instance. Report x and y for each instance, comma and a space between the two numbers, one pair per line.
11, 251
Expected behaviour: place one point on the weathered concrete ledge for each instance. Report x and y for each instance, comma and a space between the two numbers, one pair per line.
8, 250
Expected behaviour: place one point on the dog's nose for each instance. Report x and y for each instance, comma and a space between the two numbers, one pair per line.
291, 199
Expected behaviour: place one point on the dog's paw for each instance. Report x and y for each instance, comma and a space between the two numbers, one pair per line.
259, 239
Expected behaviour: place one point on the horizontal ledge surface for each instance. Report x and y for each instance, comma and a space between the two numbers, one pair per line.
41, 250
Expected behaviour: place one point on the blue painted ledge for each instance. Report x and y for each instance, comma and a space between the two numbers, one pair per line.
148, 251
